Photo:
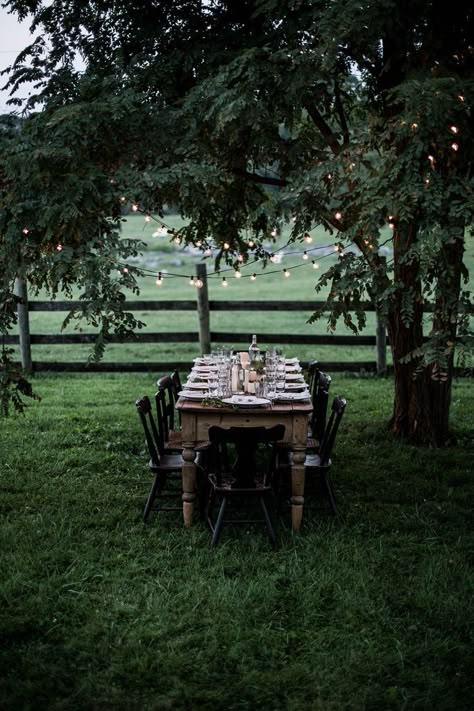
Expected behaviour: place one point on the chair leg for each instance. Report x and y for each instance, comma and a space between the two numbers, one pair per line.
219, 522
151, 497
268, 520
330, 493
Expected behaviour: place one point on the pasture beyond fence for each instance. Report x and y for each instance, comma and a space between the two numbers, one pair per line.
203, 335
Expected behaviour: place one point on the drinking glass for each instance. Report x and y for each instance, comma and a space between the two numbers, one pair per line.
280, 376
213, 384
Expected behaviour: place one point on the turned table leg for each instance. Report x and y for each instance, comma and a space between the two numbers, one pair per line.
189, 484
297, 487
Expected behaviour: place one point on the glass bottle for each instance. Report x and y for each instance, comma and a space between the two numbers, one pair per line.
254, 351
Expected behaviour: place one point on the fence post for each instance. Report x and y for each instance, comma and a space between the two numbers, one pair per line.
380, 345
23, 324
203, 310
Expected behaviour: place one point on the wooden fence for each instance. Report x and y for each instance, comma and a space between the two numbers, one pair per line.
203, 336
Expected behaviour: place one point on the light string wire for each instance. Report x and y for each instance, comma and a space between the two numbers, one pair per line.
333, 246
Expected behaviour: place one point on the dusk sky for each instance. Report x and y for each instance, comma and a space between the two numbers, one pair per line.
13, 38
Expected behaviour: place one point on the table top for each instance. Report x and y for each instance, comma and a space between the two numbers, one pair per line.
202, 406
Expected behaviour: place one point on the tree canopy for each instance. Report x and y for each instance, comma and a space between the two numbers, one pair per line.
357, 114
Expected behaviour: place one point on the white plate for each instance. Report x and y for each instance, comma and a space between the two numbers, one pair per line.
292, 397
246, 401
193, 394
293, 368
295, 376
204, 368
295, 386
291, 361
195, 385
202, 361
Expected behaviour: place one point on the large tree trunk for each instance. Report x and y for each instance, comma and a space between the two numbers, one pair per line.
423, 394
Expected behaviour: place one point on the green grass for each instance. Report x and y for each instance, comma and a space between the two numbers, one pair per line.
98, 611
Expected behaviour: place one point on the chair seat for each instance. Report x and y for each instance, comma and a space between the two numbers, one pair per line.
231, 485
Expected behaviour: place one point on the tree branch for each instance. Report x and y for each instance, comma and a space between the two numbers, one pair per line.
324, 128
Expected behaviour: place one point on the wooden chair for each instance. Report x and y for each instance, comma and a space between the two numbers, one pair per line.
248, 478
164, 466
318, 464
319, 391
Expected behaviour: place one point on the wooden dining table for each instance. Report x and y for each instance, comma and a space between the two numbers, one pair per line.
197, 417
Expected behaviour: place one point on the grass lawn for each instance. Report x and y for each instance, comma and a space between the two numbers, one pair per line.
99, 611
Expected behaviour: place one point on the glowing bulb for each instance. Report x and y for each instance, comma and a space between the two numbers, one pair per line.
454, 129
59, 247
414, 126
237, 274
308, 238
253, 277
240, 258
460, 97
191, 281
391, 225
159, 279
147, 218
352, 166
431, 160
455, 146
124, 270
208, 252
338, 215
250, 243
135, 208
224, 282
315, 264
329, 176
336, 248
25, 230
199, 283
177, 240
226, 245
286, 272
293, 219
273, 232
273, 258
198, 243
305, 255
427, 181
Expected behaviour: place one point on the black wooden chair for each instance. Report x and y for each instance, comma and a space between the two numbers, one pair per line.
166, 397
318, 464
248, 479
165, 467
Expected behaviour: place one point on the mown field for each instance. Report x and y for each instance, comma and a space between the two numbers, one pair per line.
367, 612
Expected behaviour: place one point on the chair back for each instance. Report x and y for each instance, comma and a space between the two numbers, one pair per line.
319, 399
329, 437
255, 453
167, 403
177, 387
152, 433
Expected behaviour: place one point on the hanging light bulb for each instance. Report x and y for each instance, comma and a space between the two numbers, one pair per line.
59, 247
226, 245
455, 146
123, 199
273, 258
305, 255
240, 258
208, 252
159, 280
250, 243
124, 270
198, 243
177, 240
199, 283
192, 281
237, 274
454, 129
315, 264
134, 207
147, 218
253, 277
338, 215
224, 282
431, 160
25, 230
286, 272
273, 232
308, 237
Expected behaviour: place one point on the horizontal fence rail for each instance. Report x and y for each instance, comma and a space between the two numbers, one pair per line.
203, 336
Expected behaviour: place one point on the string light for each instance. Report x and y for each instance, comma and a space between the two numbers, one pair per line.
414, 126
25, 230
315, 264
199, 283
192, 281
460, 97
250, 243
308, 237
177, 240
224, 282
305, 255
237, 274
273, 258
159, 279
147, 218
286, 272
253, 277
431, 160
455, 146
135, 208
59, 248
273, 232
240, 258
226, 245
338, 215
453, 129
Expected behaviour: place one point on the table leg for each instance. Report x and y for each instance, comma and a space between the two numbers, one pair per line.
189, 483
297, 487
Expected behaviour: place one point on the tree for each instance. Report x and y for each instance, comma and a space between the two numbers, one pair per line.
362, 111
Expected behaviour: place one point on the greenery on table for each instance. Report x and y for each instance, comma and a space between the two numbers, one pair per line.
98, 610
